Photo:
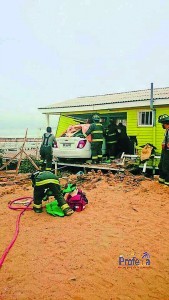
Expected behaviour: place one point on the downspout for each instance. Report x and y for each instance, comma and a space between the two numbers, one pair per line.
153, 115
47, 118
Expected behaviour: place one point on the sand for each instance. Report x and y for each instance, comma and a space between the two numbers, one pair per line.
77, 257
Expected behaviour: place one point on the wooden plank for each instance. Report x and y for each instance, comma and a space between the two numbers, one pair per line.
31, 160
21, 152
91, 166
8, 162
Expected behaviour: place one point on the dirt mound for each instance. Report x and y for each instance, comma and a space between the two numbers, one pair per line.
77, 257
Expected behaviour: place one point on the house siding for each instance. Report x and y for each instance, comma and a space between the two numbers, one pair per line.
153, 135
144, 134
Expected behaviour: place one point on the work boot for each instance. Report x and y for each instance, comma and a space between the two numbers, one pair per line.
67, 210
112, 157
161, 180
99, 161
37, 210
48, 169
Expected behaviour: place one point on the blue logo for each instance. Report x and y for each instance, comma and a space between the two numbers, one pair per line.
134, 261
146, 255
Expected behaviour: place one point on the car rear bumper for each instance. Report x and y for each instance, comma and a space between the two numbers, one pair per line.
78, 153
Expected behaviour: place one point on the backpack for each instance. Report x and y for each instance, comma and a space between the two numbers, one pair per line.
77, 202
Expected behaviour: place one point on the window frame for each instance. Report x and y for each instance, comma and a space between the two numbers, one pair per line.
139, 118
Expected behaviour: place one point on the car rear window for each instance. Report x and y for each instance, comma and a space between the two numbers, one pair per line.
78, 133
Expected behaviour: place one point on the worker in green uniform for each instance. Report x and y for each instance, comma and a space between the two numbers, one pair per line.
111, 139
164, 160
96, 131
46, 150
43, 182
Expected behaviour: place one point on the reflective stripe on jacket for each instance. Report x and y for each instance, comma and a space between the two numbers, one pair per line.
96, 131
111, 138
111, 134
45, 178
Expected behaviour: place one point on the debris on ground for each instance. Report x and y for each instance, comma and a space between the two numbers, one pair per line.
127, 216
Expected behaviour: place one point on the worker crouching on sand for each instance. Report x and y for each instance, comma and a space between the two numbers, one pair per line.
46, 180
164, 160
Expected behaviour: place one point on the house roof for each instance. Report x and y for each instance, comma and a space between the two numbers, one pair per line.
110, 101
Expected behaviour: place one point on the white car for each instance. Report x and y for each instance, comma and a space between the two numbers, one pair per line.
72, 147
76, 146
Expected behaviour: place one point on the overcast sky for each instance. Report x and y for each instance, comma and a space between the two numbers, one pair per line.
55, 50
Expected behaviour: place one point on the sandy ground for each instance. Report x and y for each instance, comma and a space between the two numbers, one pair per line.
77, 257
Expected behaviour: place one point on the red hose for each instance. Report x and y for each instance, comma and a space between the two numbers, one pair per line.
17, 224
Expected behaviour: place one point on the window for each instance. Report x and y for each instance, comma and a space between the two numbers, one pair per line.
145, 118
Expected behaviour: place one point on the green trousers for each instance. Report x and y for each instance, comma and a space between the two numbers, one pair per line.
96, 148
164, 166
46, 154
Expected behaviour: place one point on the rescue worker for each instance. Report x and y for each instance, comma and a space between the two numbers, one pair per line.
123, 140
164, 160
43, 183
96, 131
111, 139
46, 151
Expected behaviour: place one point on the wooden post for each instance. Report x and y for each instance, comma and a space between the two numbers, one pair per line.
21, 152
31, 160
9, 161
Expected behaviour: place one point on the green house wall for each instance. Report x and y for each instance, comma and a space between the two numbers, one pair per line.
144, 134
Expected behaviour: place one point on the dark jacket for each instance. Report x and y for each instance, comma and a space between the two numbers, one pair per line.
44, 178
96, 131
111, 134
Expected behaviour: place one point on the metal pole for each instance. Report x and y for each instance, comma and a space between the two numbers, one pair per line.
151, 100
154, 126
47, 118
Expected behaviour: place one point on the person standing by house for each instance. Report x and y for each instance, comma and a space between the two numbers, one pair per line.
111, 139
164, 159
96, 131
46, 151
123, 140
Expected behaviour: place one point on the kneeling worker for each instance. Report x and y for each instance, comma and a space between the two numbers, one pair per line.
46, 180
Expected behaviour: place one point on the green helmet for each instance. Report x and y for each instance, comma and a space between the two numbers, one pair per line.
163, 119
96, 118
